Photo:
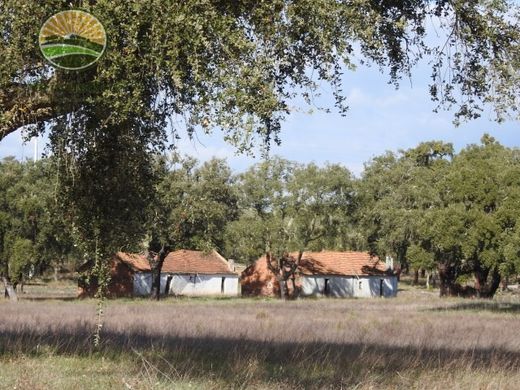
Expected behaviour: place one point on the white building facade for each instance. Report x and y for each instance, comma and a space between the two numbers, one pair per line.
191, 273
340, 274
349, 286
188, 284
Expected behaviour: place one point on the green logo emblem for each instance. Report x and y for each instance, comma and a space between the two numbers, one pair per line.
72, 39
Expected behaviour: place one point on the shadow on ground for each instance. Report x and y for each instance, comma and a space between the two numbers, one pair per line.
237, 361
46, 298
497, 307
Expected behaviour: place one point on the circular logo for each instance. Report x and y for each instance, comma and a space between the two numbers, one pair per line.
72, 39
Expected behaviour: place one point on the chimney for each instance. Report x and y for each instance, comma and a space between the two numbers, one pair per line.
231, 263
389, 261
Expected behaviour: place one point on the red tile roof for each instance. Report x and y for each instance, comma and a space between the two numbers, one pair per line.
136, 262
340, 263
182, 262
334, 263
188, 262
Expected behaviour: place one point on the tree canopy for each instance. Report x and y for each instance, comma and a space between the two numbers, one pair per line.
235, 66
433, 209
429, 207
33, 234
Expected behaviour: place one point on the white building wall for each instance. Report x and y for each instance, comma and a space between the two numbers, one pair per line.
344, 286
188, 284
197, 285
313, 286
143, 283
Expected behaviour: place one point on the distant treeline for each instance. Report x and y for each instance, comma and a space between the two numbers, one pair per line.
431, 209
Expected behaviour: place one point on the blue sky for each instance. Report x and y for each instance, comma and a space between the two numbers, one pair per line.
380, 118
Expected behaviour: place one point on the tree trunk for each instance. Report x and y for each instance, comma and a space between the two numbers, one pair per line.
296, 289
281, 284
481, 276
428, 276
505, 282
156, 271
494, 284
484, 287
415, 281
9, 291
447, 276
277, 272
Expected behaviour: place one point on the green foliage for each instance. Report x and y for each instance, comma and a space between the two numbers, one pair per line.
264, 221
396, 193
457, 212
29, 214
419, 258
194, 204
105, 189
22, 255
429, 207
291, 207
236, 66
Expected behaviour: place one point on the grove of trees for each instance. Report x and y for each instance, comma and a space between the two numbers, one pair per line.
432, 209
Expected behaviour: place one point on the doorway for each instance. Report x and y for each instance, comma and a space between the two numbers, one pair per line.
326, 288
168, 283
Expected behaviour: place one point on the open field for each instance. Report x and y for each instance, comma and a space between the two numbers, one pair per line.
413, 341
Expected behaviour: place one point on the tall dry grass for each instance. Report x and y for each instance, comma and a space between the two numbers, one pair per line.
413, 341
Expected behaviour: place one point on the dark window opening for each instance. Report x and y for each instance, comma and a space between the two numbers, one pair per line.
168, 283
222, 285
326, 287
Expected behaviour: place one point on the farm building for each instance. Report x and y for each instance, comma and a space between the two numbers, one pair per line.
123, 267
327, 273
188, 272
184, 272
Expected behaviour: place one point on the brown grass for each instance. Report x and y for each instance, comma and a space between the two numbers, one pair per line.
413, 341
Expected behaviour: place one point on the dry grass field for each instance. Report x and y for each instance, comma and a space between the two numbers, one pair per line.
414, 341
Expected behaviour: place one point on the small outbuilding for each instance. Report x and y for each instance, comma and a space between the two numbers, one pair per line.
184, 272
123, 268
191, 273
327, 273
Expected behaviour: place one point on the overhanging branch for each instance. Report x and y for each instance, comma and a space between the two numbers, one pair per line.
21, 106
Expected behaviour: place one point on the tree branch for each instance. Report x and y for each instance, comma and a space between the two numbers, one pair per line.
21, 105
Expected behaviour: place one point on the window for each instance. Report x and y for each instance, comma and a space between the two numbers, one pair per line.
360, 284
222, 284
326, 287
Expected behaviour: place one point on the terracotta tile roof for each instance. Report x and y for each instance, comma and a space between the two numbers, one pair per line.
334, 263
181, 262
189, 262
340, 263
135, 261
